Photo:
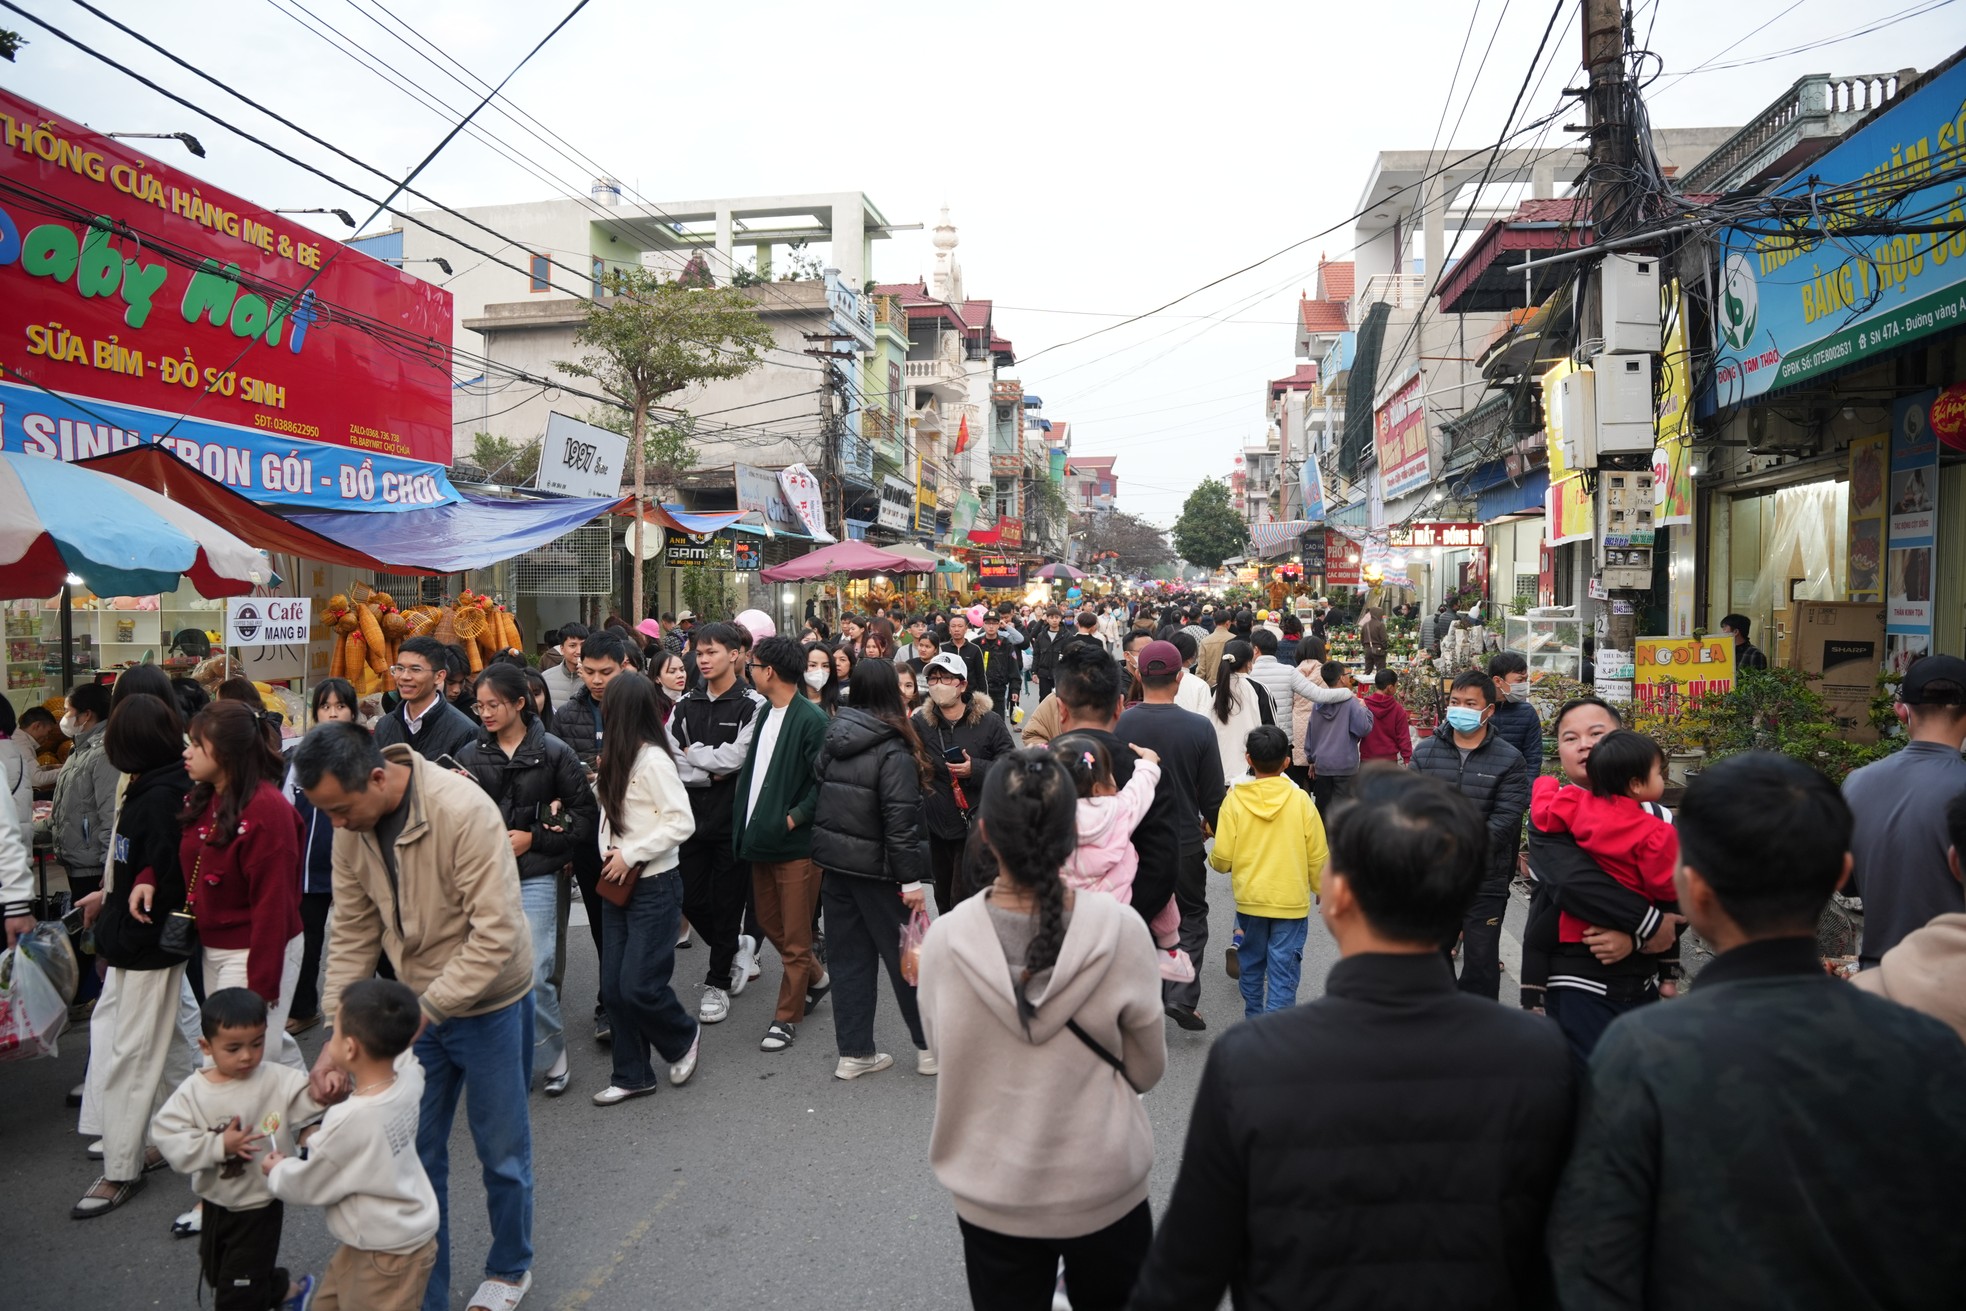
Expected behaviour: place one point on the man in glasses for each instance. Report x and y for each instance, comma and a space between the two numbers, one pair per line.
424, 720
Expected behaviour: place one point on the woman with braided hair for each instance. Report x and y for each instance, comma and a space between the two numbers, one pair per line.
1042, 1005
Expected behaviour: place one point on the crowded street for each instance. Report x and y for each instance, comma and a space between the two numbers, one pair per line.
1331, 674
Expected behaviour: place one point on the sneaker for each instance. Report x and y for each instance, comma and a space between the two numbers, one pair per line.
852, 1067
1186, 1016
297, 1025
756, 952
744, 966
817, 992
680, 1072
925, 1062
302, 1297
613, 1096
684, 941
603, 1029
74, 1098
1232, 958
1175, 966
715, 1006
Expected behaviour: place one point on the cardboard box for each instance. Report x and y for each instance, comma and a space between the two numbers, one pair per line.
1839, 645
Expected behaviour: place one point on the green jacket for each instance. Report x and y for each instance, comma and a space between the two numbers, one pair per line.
791, 788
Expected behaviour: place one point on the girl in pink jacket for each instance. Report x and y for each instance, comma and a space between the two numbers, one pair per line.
1105, 859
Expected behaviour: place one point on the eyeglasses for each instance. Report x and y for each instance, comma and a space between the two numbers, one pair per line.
408, 669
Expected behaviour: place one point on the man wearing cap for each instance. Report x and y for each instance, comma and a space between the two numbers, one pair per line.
963, 739
1899, 804
1191, 773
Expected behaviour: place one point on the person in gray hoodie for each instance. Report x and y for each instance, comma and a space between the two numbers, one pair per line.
84, 814
1331, 742
1036, 996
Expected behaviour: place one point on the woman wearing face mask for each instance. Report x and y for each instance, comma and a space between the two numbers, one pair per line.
1515, 718
542, 792
85, 793
963, 739
822, 680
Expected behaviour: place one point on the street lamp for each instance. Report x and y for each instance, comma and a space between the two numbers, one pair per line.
341, 214
190, 142
439, 261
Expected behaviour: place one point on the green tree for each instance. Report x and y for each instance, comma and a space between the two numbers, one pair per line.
647, 339
9, 43
1209, 530
1140, 547
504, 461
668, 447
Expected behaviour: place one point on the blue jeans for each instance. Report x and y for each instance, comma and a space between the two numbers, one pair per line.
638, 956
487, 1058
546, 902
1272, 959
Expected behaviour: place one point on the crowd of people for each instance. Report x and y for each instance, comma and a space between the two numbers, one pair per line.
1060, 785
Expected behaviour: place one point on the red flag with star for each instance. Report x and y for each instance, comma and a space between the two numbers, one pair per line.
962, 435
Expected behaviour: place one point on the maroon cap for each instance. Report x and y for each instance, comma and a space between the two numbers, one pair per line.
1158, 659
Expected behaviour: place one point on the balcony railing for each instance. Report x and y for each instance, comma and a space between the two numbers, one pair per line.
888, 313
1402, 291
931, 373
1812, 108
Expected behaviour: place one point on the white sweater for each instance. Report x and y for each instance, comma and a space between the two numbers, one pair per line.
657, 814
189, 1129
363, 1168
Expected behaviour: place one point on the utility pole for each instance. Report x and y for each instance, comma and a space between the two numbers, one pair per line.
827, 346
1622, 531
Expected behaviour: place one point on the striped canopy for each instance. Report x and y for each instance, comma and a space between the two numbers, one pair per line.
119, 538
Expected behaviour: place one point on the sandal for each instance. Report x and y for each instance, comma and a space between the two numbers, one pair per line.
816, 993
497, 1295
777, 1038
119, 1193
153, 1160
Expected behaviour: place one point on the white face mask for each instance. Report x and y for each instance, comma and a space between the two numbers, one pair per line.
944, 694
68, 726
815, 679
1518, 691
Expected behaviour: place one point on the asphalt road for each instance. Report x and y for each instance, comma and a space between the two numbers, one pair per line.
763, 1182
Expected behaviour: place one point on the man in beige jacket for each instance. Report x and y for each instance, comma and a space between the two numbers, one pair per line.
424, 874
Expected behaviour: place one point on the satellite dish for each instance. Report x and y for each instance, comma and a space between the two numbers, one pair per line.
651, 540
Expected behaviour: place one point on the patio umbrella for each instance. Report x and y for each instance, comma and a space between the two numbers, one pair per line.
857, 558
1058, 571
57, 520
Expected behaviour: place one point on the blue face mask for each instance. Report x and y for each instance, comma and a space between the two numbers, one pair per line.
1462, 719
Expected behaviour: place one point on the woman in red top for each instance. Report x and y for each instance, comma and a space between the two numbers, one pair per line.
240, 852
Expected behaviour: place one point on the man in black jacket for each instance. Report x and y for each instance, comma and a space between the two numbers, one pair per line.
577, 722
1003, 670
712, 727
1777, 1138
1393, 1143
960, 645
424, 719
1044, 649
1470, 756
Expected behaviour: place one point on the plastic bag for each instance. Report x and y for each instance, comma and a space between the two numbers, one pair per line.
912, 934
32, 1010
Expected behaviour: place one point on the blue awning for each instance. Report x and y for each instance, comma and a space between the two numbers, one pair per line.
1513, 497
453, 538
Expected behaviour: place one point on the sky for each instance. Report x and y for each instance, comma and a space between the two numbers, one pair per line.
1096, 161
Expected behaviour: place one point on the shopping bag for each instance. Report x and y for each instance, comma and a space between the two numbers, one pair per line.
912, 934
32, 1010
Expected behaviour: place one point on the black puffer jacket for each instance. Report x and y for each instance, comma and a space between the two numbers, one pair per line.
980, 732
147, 836
869, 817
543, 770
1423, 1178
577, 722
1493, 776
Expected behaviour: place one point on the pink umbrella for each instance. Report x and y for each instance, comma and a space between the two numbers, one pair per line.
860, 559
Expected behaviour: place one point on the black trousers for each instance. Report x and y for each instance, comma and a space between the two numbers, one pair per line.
945, 860
314, 909
1583, 1017
236, 1254
1327, 789
715, 883
863, 934
1019, 1274
1481, 935
587, 877
1191, 895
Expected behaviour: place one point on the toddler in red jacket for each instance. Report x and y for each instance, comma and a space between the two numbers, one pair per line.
1609, 820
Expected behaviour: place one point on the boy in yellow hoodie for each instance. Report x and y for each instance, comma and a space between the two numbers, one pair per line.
1270, 841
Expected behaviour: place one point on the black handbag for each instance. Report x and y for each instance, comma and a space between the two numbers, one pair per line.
179, 936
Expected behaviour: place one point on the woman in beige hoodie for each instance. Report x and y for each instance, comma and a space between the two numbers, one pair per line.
1043, 1008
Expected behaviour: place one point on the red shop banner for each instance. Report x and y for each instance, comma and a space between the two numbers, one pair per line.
166, 309
1342, 559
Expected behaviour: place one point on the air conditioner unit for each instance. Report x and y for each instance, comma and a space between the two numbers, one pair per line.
1630, 304
1576, 414
1624, 405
